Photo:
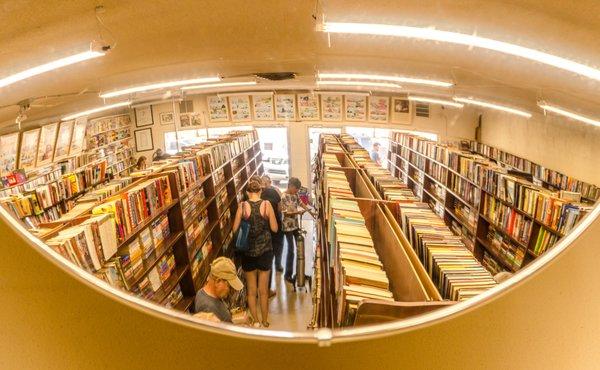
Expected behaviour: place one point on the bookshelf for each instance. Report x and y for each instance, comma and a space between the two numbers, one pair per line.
505, 220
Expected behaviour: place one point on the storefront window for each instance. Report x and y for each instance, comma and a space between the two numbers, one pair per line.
175, 140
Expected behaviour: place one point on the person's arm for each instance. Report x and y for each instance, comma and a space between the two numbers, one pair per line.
271, 217
238, 217
307, 209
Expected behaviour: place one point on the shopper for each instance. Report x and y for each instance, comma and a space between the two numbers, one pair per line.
273, 195
374, 154
289, 206
141, 163
221, 277
257, 261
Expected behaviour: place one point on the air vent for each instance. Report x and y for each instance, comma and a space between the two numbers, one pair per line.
422, 110
277, 76
186, 106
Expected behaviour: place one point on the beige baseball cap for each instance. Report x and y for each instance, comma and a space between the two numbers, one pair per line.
224, 268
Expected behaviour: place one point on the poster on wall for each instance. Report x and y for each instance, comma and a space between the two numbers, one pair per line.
285, 108
9, 145
218, 110
29, 148
263, 107
379, 107
400, 110
166, 118
331, 107
239, 106
46, 145
185, 120
143, 140
356, 107
78, 136
308, 107
143, 116
63, 140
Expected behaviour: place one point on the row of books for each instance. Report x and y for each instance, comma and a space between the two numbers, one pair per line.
511, 252
491, 264
438, 172
151, 284
467, 191
506, 218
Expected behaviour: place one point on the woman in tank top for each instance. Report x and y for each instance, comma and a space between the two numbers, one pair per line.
256, 262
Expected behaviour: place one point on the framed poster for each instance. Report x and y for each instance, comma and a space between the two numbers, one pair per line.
143, 116
263, 107
143, 140
29, 149
185, 120
331, 107
239, 105
308, 107
9, 145
46, 145
166, 118
400, 110
63, 140
218, 110
355, 107
78, 136
285, 108
196, 119
379, 108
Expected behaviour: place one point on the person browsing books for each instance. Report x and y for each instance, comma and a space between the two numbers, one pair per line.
289, 206
374, 154
273, 195
257, 260
221, 278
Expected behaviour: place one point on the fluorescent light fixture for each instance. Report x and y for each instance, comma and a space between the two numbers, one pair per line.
225, 95
424, 99
359, 84
493, 106
565, 113
217, 85
95, 110
50, 66
463, 39
362, 76
160, 85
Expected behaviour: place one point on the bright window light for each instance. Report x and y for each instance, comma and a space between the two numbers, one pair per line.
362, 76
565, 113
218, 85
96, 110
160, 85
360, 83
49, 67
435, 101
493, 106
463, 39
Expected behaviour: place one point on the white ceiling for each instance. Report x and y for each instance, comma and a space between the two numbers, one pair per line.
164, 40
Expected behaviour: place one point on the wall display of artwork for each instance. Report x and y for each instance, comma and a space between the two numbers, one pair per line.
46, 146
355, 107
239, 105
9, 145
143, 140
29, 148
166, 118
218, 109
331, 107
78, 137
285, 107
63, 140
379, 108
308, 107
400, 110
185, 120
196, 119
143, 116
263, 107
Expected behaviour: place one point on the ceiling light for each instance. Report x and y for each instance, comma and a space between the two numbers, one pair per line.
160, 85
362, 76
568, 114
435, 101
224, 84
226, 95
494, 106
50, 66
95, 110
462, 39
360, 83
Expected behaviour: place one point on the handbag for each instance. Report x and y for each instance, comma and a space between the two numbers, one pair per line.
241, 241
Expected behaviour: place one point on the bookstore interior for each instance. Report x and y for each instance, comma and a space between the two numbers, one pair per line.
425, 175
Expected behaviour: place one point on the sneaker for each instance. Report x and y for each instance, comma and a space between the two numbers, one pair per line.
256, 325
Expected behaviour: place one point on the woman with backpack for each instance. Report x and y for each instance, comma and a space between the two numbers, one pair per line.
257, 220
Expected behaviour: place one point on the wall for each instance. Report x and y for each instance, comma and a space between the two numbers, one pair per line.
566, 146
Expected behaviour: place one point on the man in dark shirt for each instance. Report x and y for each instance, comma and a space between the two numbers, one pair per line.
222, 276
273, 195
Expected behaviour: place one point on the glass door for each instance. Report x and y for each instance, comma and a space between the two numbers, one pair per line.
275, 154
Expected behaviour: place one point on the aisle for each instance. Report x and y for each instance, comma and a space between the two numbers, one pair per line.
290, 310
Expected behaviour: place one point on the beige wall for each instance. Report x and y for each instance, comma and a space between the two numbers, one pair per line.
563, 145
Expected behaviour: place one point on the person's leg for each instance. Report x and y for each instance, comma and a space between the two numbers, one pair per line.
278, 250
289, 259
251, 288
263, 295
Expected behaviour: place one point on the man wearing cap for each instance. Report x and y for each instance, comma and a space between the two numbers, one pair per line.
210, 298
